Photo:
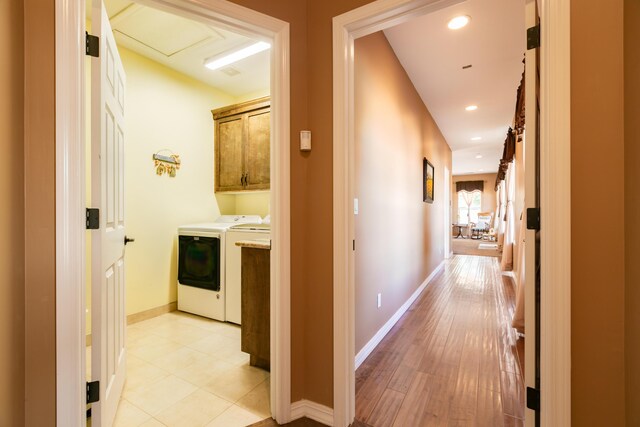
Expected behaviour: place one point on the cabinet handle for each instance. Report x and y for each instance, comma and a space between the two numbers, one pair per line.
246, 179
242, 179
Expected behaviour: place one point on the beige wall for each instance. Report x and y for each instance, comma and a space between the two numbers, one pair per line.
400, 239
168, 110
11, 217
165, 110
488, 195
632, 211
597, 174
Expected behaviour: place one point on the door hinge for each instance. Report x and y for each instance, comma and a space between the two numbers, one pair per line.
533, 398
533, 219
93, 391
533, 37
93, 218
91, 45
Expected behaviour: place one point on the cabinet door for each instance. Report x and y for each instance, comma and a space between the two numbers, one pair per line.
229, 153
258, 149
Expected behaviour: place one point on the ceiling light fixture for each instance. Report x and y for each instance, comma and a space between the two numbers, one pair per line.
479, 156
480, 170
471, 107
476, 138
221, 61
458, 22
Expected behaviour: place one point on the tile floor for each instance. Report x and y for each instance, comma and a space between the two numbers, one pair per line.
186, 370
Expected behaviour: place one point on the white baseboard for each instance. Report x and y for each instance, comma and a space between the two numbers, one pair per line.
382, 332
312, 410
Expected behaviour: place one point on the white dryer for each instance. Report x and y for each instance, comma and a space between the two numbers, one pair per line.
201, 265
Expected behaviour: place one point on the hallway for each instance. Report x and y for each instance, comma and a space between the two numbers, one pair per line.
452, 359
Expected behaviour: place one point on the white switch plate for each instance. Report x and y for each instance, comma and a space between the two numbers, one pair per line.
379, 300
305, 140
355, 206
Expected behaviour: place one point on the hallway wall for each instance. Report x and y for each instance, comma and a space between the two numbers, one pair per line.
597, 175
39, 186
11, 216
399, 238
632, 208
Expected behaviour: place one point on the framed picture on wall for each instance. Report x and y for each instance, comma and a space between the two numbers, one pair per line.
428, 173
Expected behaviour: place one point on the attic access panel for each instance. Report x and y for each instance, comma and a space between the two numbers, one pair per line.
163, 32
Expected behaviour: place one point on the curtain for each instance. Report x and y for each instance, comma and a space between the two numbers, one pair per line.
468, 198
509, 228
518, 315
501, 211
496, 216
470, 186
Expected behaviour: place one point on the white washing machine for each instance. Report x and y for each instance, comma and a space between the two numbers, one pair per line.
233, 264
201, 265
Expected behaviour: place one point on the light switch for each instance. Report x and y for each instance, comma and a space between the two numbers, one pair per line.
305, 140
355, 206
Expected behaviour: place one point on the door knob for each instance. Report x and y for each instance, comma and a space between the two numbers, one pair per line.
128, 240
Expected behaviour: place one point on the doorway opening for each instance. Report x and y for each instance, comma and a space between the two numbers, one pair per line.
445, 308
172, 111
348, 30
186, 344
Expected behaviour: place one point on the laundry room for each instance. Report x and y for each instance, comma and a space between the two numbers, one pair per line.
190, 161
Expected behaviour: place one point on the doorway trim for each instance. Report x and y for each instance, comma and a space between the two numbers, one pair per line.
555, 200
70, 199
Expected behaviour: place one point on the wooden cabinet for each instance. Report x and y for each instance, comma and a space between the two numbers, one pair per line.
256, 306
242, 135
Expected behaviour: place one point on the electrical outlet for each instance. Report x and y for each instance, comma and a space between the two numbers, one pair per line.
379, 300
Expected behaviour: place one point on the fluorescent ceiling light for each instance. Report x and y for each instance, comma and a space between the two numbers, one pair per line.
471, 107
479, 156
219, 62
476, 138
458, 22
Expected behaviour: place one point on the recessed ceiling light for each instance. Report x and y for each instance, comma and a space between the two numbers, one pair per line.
476, 138
458, 22
480, 170
471, 107
479, 156
220, 61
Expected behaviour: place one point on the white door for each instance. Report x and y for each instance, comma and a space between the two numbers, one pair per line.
532, 200
108, 355
447, 213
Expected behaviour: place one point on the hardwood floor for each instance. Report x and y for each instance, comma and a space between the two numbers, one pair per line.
452, 359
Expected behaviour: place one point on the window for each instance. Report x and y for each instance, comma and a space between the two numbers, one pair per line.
469, 205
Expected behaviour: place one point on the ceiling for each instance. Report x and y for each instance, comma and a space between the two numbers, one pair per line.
494, 43
433, 56
183, 45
